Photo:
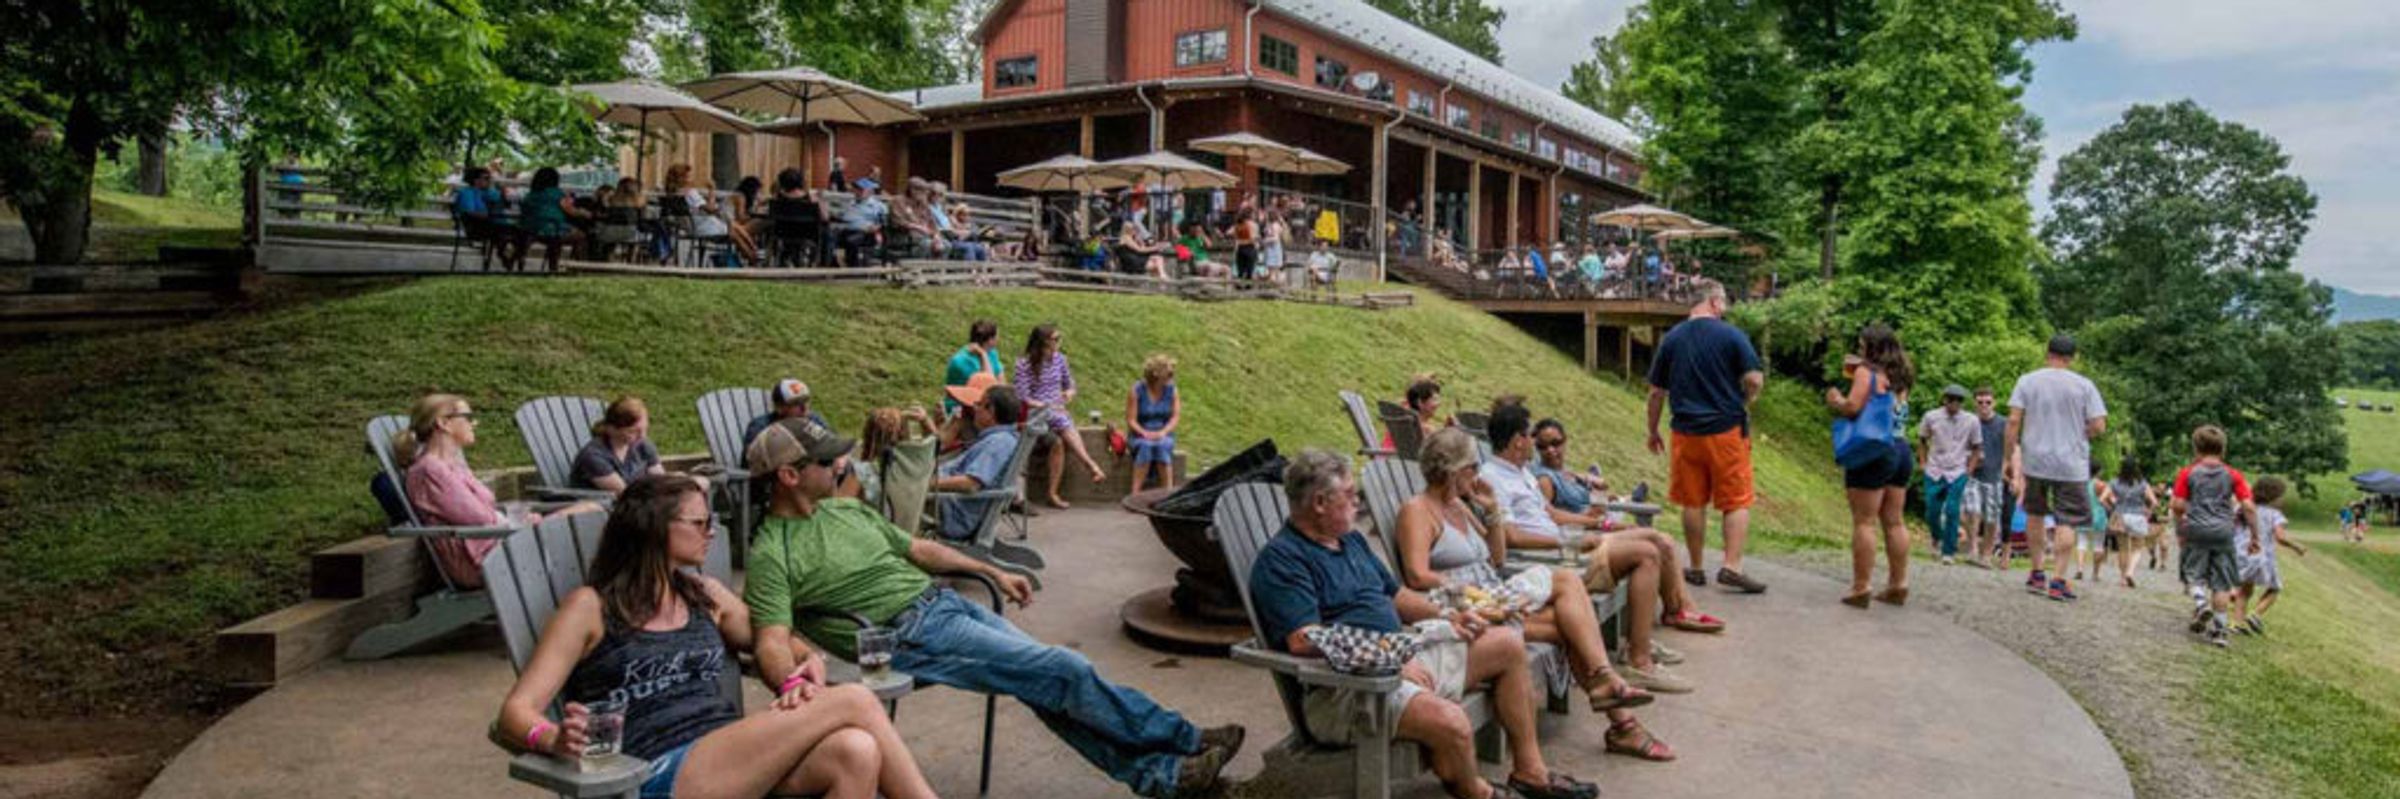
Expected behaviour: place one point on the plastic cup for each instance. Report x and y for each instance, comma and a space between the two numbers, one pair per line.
607, 731
875, 645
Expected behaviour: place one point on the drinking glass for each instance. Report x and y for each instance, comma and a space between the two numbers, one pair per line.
875, 646
1570, 544
607, 730
514, 512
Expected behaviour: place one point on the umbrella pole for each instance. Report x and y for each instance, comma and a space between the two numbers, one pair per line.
641, 147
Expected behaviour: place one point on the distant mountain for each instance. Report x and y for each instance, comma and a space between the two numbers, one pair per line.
2351, 306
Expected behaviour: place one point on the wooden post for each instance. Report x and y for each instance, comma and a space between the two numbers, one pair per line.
1625, 351
1381, 184
1474, 205
1591, 342
1426, 219
1513, 189
1084, 148
900, 170
1550, 206
958, 160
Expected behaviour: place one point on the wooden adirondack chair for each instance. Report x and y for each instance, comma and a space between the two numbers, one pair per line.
1389, 483
1474, 424
1246, 517
985, 545
533, 571
1368, 444
1408, 435
448, 607
555, 428
724, 413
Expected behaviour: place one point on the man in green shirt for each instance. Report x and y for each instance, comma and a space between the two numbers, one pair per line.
819, 557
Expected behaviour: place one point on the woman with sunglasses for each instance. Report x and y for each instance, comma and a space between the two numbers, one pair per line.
444, 491
651, 632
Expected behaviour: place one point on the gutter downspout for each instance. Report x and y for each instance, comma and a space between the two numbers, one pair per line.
1157, 134
1250, 41
1383, 182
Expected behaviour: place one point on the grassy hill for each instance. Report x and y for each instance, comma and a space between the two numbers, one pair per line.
131, 227
2374, 444
157, 485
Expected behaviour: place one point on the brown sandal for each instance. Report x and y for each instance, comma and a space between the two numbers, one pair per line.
1624, 696
1858, 600
1895, 596
1646, 747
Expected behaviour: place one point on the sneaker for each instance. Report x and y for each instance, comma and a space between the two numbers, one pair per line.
2200, 619
1739, 582
1659, 653
2060, 591
1697, 577
2257, 626
1949, 561
2218, 639
1199, 775
2035, 583
1657, 680
1228, 737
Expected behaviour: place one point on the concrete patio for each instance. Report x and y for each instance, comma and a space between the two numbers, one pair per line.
1802, 697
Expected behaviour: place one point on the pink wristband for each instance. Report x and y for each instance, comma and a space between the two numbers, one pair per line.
533, 740
797, 678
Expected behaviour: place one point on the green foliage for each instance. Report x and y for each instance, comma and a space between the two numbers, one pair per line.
2371, 353
199, 170
1599, 82
1470, 24
1718, 88
2174, 233
887, 45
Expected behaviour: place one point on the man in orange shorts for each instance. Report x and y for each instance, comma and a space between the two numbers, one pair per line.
1711, 373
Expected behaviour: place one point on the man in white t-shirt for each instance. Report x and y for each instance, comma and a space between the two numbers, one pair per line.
1534, 523
2053, 415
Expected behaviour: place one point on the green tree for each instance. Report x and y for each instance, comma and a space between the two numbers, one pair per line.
383, 93
2174, 234
1599, 82
1824, 38
1718, 89
1469, 24
2371, 353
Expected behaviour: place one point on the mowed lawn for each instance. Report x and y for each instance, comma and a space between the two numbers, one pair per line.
158, 485
2374, 444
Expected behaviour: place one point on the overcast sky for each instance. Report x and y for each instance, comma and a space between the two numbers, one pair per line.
2321, 76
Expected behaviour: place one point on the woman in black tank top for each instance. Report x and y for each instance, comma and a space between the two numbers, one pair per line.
647, 633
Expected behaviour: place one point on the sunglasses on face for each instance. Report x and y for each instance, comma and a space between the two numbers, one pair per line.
1553, 443
467, 415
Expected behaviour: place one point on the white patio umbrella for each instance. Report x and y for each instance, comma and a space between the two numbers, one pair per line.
805, 96
1311, 162
647, 104
1064, 173
1647, 217
1270, 155
1708, 232
1166, 170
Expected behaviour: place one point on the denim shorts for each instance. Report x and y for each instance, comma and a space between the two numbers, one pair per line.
663, 768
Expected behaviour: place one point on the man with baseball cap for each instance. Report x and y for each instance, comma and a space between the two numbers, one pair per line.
820, 560
862, 222
992, 409
1949, 445
789, 399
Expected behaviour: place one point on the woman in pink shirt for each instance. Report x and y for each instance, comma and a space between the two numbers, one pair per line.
444, 492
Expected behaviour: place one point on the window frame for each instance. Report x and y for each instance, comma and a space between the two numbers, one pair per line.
1000, 72
1341, 82
1266, 47
1224, 42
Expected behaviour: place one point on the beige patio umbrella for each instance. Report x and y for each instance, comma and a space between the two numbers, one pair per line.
1166, 170
1073, 173
1708, 232
647, 104
1647, 217
1311, 162
805, 96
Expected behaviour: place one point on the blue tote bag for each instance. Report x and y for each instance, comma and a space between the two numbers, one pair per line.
1860, 441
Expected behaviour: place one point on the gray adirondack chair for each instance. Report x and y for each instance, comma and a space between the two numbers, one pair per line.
1247, 516
985, 545
555, 428
1389, 483
1368, 444
724, 413
449, 607
1408, 435
529, 575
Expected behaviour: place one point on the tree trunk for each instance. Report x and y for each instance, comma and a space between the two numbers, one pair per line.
61, 223
724, 159
151, 179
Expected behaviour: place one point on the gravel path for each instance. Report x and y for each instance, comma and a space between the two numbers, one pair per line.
2122, 653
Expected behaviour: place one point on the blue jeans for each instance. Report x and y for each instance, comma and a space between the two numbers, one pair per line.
948, 640
1942, 501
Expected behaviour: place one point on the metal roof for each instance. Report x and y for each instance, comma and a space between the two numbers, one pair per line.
1371, 28
932, 97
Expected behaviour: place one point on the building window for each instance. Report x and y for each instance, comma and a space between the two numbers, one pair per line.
1420, 103
1279, 55
1331, 73
1200, 47
1491, 127
1460, 117
1523, 140
1547, 149
1016, 72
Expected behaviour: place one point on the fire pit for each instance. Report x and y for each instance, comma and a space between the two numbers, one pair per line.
1202, 612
